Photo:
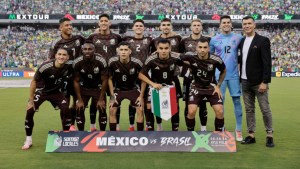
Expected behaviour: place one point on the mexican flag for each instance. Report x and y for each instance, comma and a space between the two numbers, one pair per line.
164, 102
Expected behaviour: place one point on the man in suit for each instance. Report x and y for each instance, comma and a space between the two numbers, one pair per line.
255, 62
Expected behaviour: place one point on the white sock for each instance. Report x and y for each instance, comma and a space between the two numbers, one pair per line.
92, 125
131, 125
29, 138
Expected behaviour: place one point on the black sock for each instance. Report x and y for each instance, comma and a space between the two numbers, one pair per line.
175, 122
113, 126
203, 113
102, 119
219, 124
132, 112
80, 120
149, 120
140, 126
67, 118
158, 120
73, 112
190, 124
118, 115
29, 123
93, 114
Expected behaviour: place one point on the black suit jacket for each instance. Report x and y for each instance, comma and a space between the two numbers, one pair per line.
258, 63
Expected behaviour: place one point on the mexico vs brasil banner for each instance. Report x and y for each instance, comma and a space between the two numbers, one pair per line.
164, 102
139, 141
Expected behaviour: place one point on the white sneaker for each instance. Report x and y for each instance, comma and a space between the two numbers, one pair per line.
159, 127
203, 128
27, 145
238, 136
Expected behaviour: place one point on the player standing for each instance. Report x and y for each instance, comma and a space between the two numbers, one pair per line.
51, 74
106, 43
72, 42
226, 45
162, 66
168, 34
204, 87
122, 82
188, 45
90, 81
140, 49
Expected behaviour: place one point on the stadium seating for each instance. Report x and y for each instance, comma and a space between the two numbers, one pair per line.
151, 7
25, 47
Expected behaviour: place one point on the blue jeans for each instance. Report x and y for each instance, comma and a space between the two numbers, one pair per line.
249, 94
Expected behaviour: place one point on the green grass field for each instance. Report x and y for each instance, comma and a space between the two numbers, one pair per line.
284, 101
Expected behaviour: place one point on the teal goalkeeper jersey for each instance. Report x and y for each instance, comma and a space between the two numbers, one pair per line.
226, 46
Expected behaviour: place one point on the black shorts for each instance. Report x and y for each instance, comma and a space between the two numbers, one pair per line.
131, 95
197, 95
87, 94
56, 98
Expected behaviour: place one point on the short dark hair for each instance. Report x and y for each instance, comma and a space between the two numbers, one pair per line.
69, 51
163, 41
88, 42
124, 43
104, 15
62, 20
225, 17
248, 17
138, 20
166, 20
203, 40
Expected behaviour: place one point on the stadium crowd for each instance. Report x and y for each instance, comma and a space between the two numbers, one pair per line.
151, 7
25, 47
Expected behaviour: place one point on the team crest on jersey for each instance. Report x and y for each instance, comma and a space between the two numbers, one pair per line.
234, 42
172, 67
51, 77
173, 42
132, 71
156, 68
145, 41
117, 70
195, 64
131, 41
96, 70
82, 71
112, 42
65, 46
65, 73
190, 46
210, 67
98, 41
77, 42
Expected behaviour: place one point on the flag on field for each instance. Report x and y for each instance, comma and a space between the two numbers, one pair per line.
164, 102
